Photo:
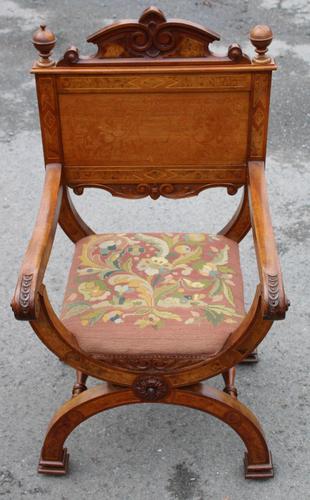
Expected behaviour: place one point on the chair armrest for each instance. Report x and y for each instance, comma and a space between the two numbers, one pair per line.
274, 301
25, 300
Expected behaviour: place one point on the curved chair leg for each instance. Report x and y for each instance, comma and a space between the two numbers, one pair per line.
54, 458
257, 460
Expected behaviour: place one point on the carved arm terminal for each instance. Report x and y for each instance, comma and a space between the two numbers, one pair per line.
24, 303
274, 301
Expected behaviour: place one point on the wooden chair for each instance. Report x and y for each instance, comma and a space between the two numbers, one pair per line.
153, 113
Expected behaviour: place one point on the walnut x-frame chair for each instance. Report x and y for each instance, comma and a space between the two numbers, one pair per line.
153, 113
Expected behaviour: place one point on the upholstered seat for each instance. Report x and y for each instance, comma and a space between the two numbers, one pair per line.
162, 294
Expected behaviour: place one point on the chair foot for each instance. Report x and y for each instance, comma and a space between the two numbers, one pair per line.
258, 471
251, 358
54, 457
258, 463
55, 467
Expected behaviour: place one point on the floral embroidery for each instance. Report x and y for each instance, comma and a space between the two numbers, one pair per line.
152, 279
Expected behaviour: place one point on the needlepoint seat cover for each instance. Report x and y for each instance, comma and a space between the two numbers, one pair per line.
177, 294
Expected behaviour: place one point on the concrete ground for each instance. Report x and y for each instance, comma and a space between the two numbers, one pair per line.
156, 452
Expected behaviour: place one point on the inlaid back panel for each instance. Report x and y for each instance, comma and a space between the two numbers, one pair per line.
150, 115
153, 127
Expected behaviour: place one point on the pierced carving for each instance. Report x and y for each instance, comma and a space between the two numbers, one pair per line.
153, 36
273, 292
156, 190
24, 297
150, 388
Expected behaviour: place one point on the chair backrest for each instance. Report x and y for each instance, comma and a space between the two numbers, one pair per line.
154, 111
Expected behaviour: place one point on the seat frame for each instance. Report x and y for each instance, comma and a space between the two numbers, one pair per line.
171, 385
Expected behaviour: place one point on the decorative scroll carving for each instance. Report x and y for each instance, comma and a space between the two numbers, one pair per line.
260, 115
48, 112
24, 297
153, 36
273, 292
150, 388
152, 363
157, 190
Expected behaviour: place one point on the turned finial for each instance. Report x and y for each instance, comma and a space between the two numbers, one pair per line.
44, 41
261, 38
